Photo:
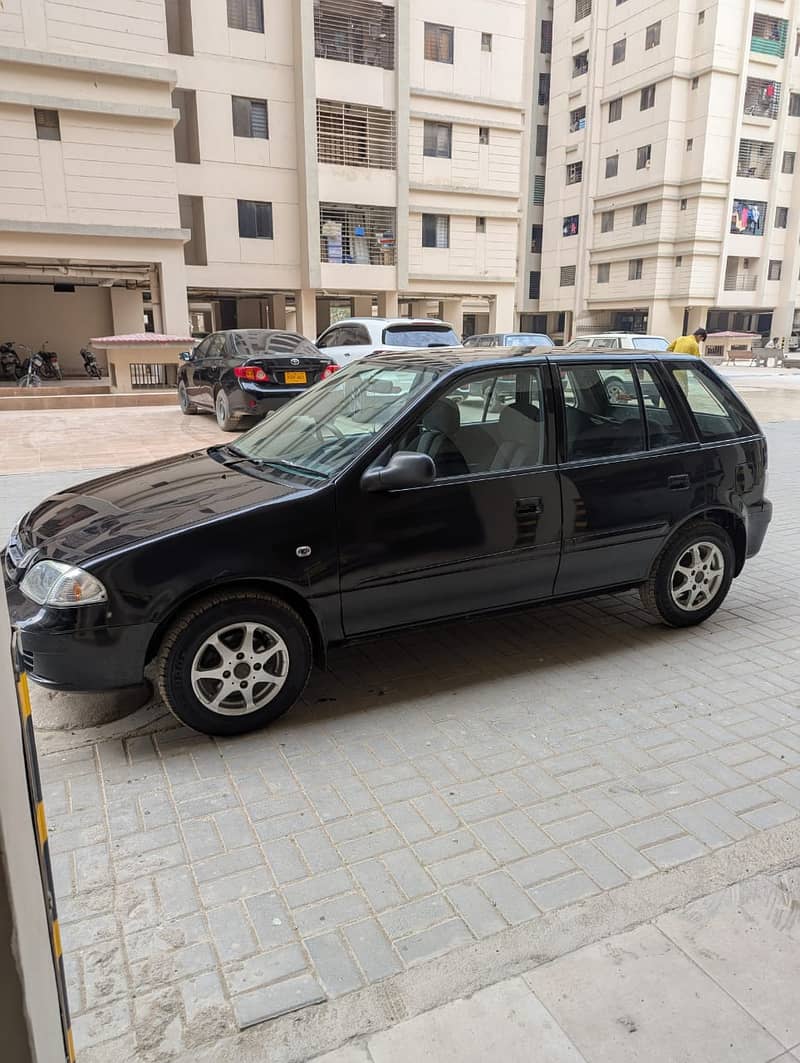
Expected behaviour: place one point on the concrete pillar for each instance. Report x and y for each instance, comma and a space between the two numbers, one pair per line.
501, 310
306, 303
248, 313
174, 305
665, 319
362, 306
782, 324
387, 304
453, 314
127, 311
418, 308
697, 319
277, 311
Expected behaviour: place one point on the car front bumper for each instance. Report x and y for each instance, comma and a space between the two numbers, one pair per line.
758, 518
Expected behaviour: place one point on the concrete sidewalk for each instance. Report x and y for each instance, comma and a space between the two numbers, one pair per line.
715, 981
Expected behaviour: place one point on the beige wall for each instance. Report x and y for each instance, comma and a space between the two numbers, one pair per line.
32, 313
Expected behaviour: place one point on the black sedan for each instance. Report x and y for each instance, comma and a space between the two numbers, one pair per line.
384, 498
245, 373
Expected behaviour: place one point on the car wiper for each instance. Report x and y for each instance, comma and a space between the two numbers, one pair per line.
289, 466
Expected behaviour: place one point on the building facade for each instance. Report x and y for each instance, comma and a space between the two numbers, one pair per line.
258, 163
670, 193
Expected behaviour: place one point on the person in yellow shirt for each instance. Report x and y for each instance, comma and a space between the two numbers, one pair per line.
689, 344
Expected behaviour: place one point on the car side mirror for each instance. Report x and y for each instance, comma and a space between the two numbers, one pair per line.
404, 469
186, 356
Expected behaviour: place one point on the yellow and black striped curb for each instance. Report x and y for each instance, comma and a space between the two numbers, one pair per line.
43, 847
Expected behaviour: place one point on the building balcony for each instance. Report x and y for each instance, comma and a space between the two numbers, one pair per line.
740, 282
769, 36
354, 31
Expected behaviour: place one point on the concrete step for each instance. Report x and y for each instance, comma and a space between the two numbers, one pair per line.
79, 387
39, 399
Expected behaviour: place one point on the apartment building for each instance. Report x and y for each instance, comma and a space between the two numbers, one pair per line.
670, 196
217, 163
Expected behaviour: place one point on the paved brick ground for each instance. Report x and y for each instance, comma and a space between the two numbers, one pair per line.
433, 789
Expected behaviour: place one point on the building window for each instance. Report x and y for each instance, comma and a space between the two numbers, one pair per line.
603, 272
678, 261
534, 284
647, 98
690, 143
246, 15
769, 35
781, 217
483, 134
546, 39
570, 225
438, 43
537, 196
643, 157
486, 42
787, 165
635, 269
701, 17
615, 110
536, 239
541, 141
577, 119
618, 50
47, 124
640, 214
435, 230
794, 104
574, 173
774, 269
607, 221
185, 134
583, 8
755, 159
480, 225
179, 27
437, 140
695, 82
352, 134
567, 276
684, 204
250, 118
762, 97
580, 64
543, 97
748, 217
192, 217
357, 235
255, 219
612, 165
350, 33
652, 36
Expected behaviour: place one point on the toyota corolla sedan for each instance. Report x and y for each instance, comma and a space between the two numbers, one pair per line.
383, 498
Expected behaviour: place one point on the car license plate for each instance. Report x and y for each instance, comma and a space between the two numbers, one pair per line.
295, 378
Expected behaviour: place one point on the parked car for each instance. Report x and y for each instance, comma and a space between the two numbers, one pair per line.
619, 341
375, 501
356, 337
509, 339
245, 373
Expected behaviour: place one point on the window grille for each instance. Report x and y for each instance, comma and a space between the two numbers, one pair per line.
353, 134
361, 236
355, 31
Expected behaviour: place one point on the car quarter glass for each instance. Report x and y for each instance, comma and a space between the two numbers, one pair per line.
718, 414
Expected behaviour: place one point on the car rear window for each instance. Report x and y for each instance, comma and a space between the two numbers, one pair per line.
650, 343
527, 339
717, 410
420, 336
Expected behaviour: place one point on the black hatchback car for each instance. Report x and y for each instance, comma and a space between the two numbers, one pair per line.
246, 373
384, 498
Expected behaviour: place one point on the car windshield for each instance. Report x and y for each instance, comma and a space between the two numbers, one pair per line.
650, 343
527, 339
420, 336
320, 432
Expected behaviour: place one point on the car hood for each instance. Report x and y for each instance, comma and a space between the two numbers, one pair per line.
143, 503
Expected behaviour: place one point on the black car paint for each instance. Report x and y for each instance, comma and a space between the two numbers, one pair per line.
161, 535
211, 368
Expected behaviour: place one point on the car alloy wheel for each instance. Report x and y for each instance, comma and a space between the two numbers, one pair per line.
223, 411
240, 668
697, 576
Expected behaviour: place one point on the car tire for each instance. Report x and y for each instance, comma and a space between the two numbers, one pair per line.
692, 575
222, 409
188, 408
226, 632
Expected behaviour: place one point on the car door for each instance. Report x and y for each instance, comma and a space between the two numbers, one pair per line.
207, 372
632, 469
346, 342
194, 370
486, 533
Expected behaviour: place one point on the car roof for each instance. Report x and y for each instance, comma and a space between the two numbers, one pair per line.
390, 321
641, 335
444, 358
255, 332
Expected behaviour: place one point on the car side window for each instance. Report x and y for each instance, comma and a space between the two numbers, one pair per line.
664, 428
717, 413
216, 345
201, 350
331, 339
493, 422
602, 414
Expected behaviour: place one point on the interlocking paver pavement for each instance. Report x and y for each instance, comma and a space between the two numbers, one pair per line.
431, 790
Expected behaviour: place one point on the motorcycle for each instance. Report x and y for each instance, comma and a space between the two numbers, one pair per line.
10, 365
90, 363
33, 368
50, 367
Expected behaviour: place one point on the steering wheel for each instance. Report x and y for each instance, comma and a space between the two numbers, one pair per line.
337, 433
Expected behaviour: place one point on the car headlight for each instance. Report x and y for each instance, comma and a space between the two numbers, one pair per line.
62, 586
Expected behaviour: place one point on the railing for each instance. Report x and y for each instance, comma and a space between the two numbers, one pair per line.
769, 36
154, 375
740, 282
361, 236
354, 31
352, 134
762, 98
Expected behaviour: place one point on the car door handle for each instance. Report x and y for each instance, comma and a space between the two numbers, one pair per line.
678, 483
528, 506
